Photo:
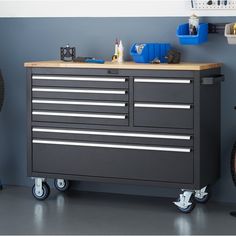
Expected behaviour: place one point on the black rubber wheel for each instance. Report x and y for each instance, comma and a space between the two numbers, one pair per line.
45, 194
62, 188
233, 163
189, 208
205, 198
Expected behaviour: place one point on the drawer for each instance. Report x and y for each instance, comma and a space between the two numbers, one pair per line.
163, 115
125, 137
80, 105
163, 90
80, 93
138, 162
80, 117
79, 81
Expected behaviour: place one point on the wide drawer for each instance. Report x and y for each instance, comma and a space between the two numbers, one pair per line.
124, 137
163, 90
79, 81
151, 163
163, 115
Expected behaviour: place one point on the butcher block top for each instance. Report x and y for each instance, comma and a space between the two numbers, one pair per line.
125, 65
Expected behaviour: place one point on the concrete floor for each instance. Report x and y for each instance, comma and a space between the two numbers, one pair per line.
97, 213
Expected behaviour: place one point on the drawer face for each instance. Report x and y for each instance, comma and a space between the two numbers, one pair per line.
123, 137
113, 161
79, 117
80, 105
80, 93
163, 90
79, 81
159, 115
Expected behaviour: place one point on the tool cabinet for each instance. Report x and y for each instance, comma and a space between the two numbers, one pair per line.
125, 123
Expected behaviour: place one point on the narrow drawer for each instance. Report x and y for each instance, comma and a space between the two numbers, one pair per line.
79, 81
80, 93
151, 163
163, 90
80, 105
163, 115
125, 137
79, 117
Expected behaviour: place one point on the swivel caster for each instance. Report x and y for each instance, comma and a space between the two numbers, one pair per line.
61, 184
202, 195
40, 189
185, 202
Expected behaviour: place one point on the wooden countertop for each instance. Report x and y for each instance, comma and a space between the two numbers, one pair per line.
125, 65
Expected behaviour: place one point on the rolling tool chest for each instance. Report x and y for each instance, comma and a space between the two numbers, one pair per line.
126, 123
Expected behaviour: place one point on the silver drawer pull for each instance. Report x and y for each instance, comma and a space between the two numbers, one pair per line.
85, 115
74, 78
73, 102
105, 133
110, 145
168, 106
169, 81
97, 91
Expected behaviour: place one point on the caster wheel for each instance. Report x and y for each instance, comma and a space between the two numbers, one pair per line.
203, 198
61, 184
41, 195
188, 209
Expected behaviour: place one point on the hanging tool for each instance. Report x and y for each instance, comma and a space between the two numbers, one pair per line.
210, 2
192, 3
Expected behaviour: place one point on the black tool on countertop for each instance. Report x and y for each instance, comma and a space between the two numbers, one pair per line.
82, 59
218, 2
225, 2
67, 53
173, 57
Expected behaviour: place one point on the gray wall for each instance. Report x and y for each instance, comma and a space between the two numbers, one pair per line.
39, 39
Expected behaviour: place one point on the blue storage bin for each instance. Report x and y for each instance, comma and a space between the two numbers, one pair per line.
186, 39
149, 51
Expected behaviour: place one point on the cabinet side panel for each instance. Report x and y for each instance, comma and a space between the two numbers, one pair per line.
210, 134
29, 120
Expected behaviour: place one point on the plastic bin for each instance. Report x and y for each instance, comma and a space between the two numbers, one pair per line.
147, 52
229, 33
186, 39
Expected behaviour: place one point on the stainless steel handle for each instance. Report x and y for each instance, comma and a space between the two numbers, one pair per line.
157, 105
75, 102
111, 145
106, 133
85, 115
95, 91
74, 78
169, 81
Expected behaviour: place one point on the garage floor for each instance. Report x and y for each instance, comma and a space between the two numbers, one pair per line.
98, 213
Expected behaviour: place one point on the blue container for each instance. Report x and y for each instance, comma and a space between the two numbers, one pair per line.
186, 39
147, 52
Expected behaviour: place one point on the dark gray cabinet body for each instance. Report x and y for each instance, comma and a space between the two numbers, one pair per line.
129, 126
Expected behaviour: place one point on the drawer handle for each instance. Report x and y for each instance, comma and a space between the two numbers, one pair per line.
73, 102
105, 133
168, 81
97, 91
167, 106
110, 145
86, 115
74, 78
